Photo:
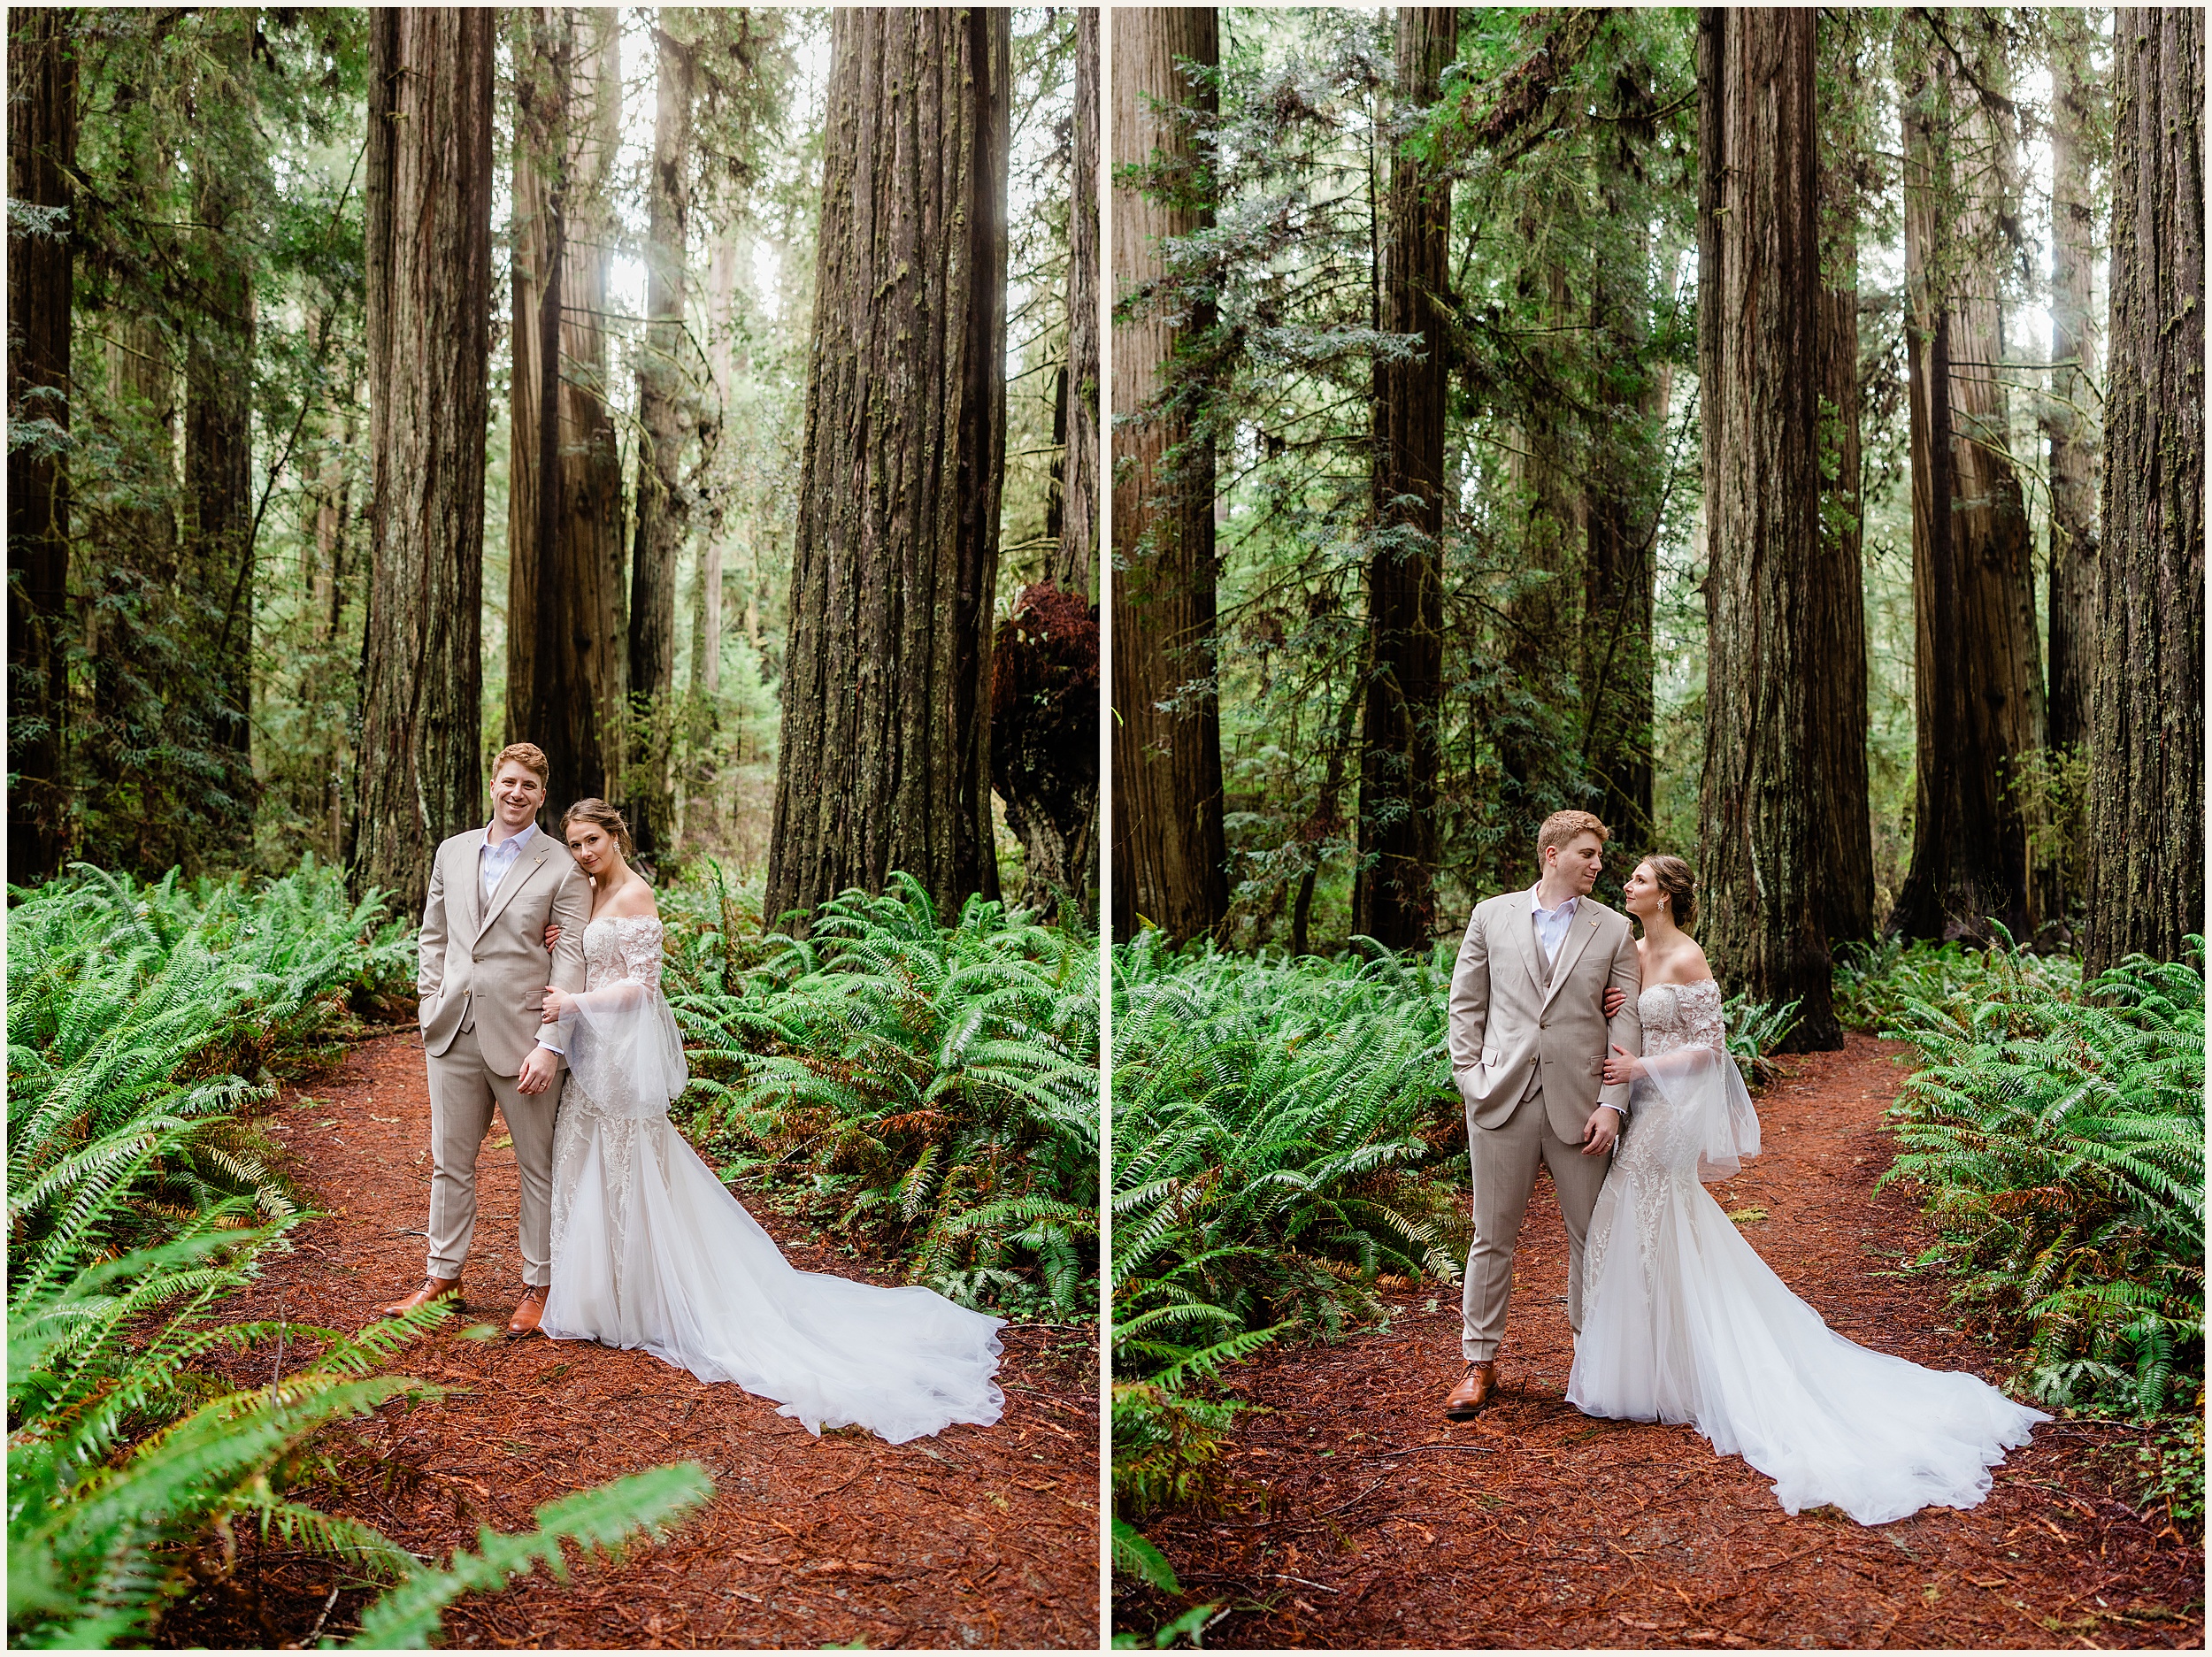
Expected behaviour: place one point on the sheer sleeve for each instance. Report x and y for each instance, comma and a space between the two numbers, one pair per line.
1699, 1082
626, 1052
1701, 1009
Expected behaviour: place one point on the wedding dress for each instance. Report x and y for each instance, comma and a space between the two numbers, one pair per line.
650, 1250
1682, 1321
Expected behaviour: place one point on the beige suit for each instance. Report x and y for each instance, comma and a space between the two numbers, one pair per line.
1529, 1040
481, 975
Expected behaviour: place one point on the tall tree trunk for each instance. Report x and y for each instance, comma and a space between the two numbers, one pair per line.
42, 156
1761, 814
664, 506
1838, 591
429, 266
2071, 434
2146, 703
885, 763
1077, 554
565, 580
1978, 682
1393, 898
1171, 853
1621, 526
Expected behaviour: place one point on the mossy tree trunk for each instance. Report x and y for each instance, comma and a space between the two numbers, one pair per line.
1169, 849
42, 156
2146, 704
429, 264
1393, 898
885, 759
1762, 813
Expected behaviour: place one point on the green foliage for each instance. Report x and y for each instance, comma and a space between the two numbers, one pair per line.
931, 1089
2059, 1137
1137, 1556
1272, 1121
651, 1503
135, 1015
1755, 1031
2172, 1464
1876, 983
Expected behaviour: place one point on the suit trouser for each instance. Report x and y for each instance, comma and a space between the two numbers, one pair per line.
1505, 1161
463, 1090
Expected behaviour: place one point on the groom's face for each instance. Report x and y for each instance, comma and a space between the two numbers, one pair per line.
517, 793
1579, 862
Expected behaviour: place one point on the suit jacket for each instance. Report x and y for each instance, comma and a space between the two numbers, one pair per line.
1508, 1022
489, 957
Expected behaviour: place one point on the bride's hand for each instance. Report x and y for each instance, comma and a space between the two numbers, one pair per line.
1616, 998
1624, 1067
559, 1005
552, 936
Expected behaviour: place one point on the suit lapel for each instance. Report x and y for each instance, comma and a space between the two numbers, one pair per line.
517, 872
466, 884
1525, 907
1571, 949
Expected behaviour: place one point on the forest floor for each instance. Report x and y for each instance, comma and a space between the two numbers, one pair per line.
974, 1538
1356, 1516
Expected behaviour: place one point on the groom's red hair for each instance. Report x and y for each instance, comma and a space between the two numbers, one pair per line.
530, 756
1561, 827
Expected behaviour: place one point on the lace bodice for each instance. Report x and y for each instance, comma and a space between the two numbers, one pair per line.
620, 948
1681, 1016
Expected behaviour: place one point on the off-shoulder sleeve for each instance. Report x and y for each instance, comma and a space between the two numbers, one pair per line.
1701, 1009
642, 943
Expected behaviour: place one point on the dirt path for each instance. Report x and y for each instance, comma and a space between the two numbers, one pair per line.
1535, 1526
975, 1537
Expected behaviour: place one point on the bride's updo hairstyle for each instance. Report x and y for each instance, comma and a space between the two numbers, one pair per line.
599, 813
1679, 884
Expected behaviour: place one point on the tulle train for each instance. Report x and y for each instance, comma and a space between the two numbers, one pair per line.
694, 1280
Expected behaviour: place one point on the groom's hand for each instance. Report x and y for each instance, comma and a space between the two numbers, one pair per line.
538, 1071
1600, 1132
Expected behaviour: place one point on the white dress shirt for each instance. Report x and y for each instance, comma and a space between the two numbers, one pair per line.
497, 858
1551, 924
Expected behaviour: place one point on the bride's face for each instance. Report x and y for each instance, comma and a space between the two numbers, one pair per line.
593, 847
1640, 895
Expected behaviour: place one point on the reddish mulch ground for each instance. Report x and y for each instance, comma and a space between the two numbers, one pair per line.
975, 1537
1369, 1521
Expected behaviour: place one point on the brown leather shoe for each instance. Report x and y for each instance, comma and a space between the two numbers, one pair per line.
433, 1289
1476, 1388
525, 1322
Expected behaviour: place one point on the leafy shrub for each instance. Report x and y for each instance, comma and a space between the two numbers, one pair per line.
1875, 983
2060, 1139
933, 1089
1274, 1120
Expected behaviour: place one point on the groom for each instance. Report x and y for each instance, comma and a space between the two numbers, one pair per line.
481, 976
1528, 1034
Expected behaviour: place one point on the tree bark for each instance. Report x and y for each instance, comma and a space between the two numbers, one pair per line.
565, 615
885, 763
2146, 704
1171, 853
664, 506
1838, 594
2069, 428
1077, 556
1393, 898
429, 271
1762, 820
42, 156
1978, 682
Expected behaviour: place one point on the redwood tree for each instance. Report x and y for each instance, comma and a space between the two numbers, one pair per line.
1978, 681
2146, 704
429, 270
884, 758
2069, 428
1169, 849
1762, 818
664, 508
42, 155
565, 656
1393, 898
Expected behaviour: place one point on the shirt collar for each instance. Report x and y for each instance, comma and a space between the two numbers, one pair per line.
512, 844
1536, 904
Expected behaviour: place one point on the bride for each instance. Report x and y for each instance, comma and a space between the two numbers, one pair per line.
1682, 1321
651, 1250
